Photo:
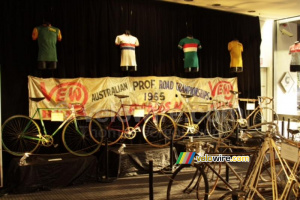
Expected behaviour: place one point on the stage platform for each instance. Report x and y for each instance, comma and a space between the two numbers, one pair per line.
43, 172
135, 160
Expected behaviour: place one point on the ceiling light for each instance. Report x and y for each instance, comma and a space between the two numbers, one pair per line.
251, 11
216, 4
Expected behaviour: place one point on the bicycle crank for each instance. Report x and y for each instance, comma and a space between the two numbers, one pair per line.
47, 140
130, 132
193, 129
242, 122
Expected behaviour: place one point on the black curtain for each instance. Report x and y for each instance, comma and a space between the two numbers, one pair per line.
89, 29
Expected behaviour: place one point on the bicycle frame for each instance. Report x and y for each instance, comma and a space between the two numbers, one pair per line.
191, 127
38, 112
245, 121
122, 108
249, 184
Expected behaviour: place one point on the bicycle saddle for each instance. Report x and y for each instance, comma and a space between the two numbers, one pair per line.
235, 92
293, 131
121, 96
186, 95
36, 99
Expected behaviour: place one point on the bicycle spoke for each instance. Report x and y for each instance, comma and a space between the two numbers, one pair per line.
182, 121
111, 127
264, 115
158, 129
76, 137
20, 134
187, 182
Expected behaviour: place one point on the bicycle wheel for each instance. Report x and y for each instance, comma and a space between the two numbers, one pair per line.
235, 194
158, 129
107, 118
264, 115
188, 182
265, 182
294, 192
76, 137
218, 167
222, 122
183, 123
20, 134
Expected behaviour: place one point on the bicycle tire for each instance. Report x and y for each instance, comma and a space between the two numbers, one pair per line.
236, 194
107, 118
182, 121
217, 166
158, 129
188, 182
259, 117
222, 123
79, 144
294, 192
265, 175
20, 134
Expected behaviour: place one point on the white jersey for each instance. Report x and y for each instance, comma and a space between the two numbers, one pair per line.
127, 44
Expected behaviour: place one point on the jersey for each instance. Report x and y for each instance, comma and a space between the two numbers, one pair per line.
294, 51
235, 48
127, 44
190, 47
47, 37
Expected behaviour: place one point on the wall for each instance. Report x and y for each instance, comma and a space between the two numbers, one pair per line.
285, 101
266, 56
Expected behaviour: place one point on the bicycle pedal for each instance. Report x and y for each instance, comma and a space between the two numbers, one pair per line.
138, 129
55, 145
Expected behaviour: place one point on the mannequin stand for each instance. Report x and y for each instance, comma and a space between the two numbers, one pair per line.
129, 68
191, 69
295, 68
236, 69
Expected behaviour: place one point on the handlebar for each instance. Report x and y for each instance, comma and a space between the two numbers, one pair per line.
266, 100
78, 107
271, 124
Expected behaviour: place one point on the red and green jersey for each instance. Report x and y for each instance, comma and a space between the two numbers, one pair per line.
47, 36
190, 47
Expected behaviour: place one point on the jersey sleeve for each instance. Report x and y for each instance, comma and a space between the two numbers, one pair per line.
117, 42
137, 42
199, 44
229, 46
290, 50
35, 34
180, 44
59, 36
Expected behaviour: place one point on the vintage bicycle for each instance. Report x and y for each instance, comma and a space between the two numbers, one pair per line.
22, 134
272, 178
234, 117
217, 119
158, 128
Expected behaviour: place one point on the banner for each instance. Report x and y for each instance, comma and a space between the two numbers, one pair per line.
96, 94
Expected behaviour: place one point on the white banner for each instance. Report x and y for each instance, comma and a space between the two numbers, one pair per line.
96, 94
